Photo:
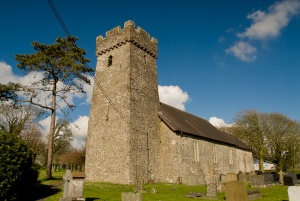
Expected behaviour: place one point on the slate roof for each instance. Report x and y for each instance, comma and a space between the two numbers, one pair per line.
180, 121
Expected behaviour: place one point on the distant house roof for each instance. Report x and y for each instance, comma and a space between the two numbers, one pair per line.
184, 122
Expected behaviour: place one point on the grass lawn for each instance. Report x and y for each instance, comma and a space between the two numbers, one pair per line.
94, 191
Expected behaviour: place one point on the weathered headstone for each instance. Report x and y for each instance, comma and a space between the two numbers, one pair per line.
67, 177
298, 178
276, 177
253, 194
211, 190
153, 191
288, 180
294, 177
230, 177
257, 180
236, 191
268, 178
294, 193
73, 187
222, 178
194, 195
243, 177
139, 186
130, 196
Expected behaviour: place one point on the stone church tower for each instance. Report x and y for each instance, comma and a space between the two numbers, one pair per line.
122, 141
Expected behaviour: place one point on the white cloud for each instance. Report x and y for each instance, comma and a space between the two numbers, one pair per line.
45, 125
6, 75
243, 51
268, 24
265, 25
217, 122
79, 128
173, 95
89, 90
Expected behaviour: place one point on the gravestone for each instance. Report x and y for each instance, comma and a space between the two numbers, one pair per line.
194, 195
288, 180
294, 177
253, 194
230, 177
257, 180
211, 190
76, 187
139, 186
222, 178
276, 177
236, 191
67, 177
294, 193
268, 178
243, 177
130, 196
153, 191
73, 187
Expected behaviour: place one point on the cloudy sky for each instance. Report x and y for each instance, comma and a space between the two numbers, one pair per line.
216, 58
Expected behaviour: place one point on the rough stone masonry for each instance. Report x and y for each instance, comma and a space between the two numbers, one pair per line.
128, 139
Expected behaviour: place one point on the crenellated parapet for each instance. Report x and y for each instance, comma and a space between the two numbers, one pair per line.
118, 37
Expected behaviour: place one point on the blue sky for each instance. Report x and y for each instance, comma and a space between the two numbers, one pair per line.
215, 58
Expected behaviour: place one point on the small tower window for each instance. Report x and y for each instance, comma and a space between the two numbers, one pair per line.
109, 62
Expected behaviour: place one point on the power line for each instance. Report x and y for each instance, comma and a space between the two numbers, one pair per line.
86, 65
59, 18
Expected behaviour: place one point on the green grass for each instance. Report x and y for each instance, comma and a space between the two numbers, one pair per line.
56, 176
97, 191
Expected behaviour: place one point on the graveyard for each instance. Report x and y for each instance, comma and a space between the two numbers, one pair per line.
264, 187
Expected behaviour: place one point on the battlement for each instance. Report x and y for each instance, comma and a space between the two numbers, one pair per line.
118, 37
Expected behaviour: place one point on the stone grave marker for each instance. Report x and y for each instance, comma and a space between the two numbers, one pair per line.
230, 177
130, 196
139, 186
67, 177
254, 194
222, 178
194, 195
153, 191
257, 180
294, 177
76, 187
73, 187
268, 178
236, 191
211, 190
294, 193
288, 180
276, 177
243, 177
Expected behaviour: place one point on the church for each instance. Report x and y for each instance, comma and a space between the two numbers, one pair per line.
131, 135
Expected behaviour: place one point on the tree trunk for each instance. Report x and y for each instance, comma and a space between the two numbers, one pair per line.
261, 161
51, 134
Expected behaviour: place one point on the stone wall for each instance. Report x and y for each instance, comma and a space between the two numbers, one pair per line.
194, 161
126, 139
122, 134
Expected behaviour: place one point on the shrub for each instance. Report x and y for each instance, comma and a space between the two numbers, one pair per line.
18, 173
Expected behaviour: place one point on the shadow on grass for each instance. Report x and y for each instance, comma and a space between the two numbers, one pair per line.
52, 179
91, 199
41, 191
